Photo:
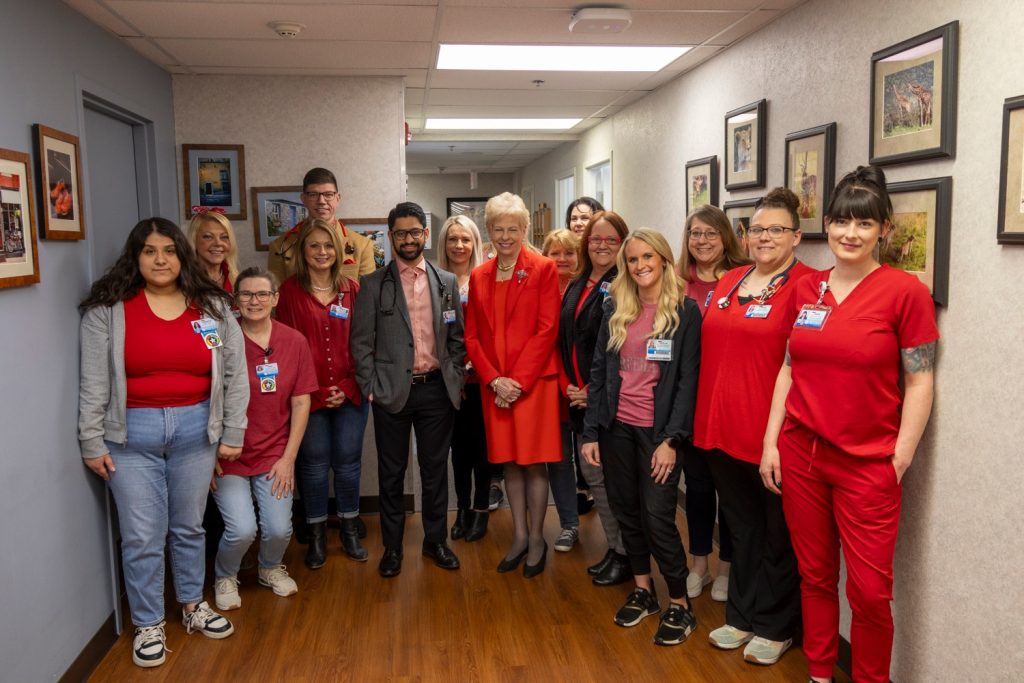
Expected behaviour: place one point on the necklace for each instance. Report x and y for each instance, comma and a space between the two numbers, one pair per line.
505, 269
323, 289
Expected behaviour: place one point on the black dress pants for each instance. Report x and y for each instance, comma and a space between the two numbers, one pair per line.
430, 412
644, 509
764, 584
470, 468
702, 506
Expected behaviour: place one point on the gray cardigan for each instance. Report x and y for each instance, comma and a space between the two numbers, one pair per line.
103, 389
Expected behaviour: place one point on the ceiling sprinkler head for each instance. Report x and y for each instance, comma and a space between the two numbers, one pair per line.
537, 82
287, 29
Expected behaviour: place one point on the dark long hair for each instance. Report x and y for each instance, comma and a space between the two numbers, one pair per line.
123, 279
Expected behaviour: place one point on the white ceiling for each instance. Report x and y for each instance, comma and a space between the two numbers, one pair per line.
401, 38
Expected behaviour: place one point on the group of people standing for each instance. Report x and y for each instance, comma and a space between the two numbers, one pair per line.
736, 368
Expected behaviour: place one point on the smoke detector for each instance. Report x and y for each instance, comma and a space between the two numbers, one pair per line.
600, 20
287, 29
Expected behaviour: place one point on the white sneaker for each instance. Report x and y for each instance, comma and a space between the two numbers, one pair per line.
763, 651
729, 637
720, 589
206, 621
225, 593
695, 584
277, 579
149, 648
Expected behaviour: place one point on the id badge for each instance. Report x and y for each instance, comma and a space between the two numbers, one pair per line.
267, 375
448, 317
659, 350
339, 311
606, 288
758, 311
812, 316
204, 325
464, 299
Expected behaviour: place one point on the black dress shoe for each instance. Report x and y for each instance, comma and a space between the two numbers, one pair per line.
618, 571
459, 528
441, 554
316, 552
509, 565
584, 502
478, 526
350, 540
361, 527
531, 570
390, 563
596, 569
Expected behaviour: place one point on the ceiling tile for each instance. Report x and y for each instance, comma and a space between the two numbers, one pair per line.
521, 80
99, 14
750, 23
542, 96
412, 77
507, 109
151, 52
278, 54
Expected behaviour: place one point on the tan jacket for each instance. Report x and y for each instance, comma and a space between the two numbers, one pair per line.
357, 258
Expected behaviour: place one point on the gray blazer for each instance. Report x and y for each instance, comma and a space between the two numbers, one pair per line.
381, 336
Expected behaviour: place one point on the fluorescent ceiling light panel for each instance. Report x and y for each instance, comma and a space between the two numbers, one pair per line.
557, 57
501, 124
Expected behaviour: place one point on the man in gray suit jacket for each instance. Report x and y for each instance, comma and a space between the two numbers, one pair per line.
407, 343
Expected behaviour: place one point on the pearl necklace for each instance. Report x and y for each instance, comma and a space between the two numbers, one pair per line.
505, 269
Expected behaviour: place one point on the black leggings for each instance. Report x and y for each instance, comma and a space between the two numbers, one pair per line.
469, 452
702, 505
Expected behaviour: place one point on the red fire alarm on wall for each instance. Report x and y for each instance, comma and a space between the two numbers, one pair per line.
408, 135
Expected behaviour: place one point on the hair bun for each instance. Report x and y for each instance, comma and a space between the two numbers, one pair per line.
872, 175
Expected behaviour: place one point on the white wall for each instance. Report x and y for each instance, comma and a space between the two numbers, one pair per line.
959, 557
432, 190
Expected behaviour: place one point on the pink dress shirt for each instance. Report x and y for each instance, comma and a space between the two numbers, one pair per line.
416, 285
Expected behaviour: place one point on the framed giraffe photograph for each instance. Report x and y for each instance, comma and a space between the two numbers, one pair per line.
1010, 228
810, 173
913, 98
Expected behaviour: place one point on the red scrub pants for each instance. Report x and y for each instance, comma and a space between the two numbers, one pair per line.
828, 497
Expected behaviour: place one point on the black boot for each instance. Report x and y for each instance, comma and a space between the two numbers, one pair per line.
361, 525
350, 539
478, 525
596, 569
618, 571
316, 553
459, 528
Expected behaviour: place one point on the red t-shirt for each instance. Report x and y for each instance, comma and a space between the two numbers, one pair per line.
166, 362
639, 375
846, 376
270, 413
740, 358
701, 291
327, 336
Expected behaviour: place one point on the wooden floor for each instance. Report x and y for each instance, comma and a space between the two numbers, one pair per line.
348, 624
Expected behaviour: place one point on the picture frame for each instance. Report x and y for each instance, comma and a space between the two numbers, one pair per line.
1010, 228
701, 182
913, 98
376, 229
19, 247
746, 135
214, 176
919, 241
275, 210
59, 178
810, 172
472, 207
739, 211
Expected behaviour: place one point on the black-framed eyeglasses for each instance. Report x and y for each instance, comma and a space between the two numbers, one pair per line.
775, 231
263, 295
329, 196
414, 233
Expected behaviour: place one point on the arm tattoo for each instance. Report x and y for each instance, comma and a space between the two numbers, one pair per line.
919, 358
789, 361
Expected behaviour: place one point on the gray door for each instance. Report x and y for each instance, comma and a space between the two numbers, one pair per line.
113, 189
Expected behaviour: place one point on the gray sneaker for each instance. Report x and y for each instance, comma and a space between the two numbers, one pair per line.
566, 540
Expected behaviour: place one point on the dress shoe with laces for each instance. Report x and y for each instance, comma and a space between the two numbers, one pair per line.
477, 528
532, 570
441, 554
459, 527
350, 540
618, 571
390, 563
316, 551
596, 569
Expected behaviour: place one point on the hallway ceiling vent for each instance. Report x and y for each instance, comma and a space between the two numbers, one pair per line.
600, 20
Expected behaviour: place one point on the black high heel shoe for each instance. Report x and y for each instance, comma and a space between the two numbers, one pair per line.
531, 570
508, 565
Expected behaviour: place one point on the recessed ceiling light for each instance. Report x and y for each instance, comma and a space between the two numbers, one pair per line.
557, 57
501, 124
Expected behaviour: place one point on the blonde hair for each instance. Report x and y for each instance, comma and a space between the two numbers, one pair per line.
566, 239
231, 258
467, 224
626, 295
507, 204
732, 250
302, 268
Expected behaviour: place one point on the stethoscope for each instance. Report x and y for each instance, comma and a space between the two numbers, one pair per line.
774, 285
389, 276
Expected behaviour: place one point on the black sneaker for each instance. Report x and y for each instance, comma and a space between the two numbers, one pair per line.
641, 603
676, 624
149, 647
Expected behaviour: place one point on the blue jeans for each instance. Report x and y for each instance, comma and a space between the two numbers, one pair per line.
562, 477
162, 475
333, 440
234, 496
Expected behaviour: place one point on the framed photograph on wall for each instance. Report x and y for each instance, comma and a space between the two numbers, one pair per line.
376, 229
811, 173
913, 98
214, 176
746, 148
919, 240
1010, 229
275, 211
739, 212
701, 182
60, 183
19, 257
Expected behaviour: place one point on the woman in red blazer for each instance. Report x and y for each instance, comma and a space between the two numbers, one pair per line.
511, 329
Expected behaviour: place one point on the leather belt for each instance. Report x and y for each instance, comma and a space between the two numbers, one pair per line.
424, 377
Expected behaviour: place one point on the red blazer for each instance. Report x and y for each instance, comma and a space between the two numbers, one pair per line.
531, 327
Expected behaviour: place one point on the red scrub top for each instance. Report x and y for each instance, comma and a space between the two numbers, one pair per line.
846, 376
740, 358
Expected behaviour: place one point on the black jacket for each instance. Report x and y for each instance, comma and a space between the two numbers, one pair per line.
675, 394
580, 332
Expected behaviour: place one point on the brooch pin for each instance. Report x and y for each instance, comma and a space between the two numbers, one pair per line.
521, 274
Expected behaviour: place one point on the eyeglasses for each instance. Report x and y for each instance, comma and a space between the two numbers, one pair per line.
709, 235
263, 296
415, 233
775, 231
598, 241
317, 195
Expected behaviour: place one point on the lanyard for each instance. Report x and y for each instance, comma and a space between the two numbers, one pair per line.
768, 292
